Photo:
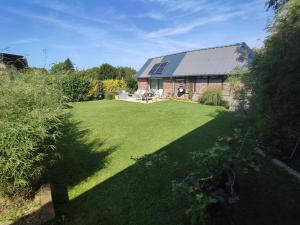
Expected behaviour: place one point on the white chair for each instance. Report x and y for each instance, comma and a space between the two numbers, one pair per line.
160, 93
139, 94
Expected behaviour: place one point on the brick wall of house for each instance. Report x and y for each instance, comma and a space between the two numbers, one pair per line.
168, 87
201, 85
215, 82
143, 84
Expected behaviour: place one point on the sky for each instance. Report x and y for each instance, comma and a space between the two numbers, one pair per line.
125, 32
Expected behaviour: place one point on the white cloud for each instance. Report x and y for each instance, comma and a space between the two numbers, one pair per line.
56, 5
76, 10
152, 15
169, 7
25, 41
186, 27
72, 26
190, 6
222, 12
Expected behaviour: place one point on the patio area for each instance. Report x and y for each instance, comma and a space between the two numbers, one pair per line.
140, 97
133, 99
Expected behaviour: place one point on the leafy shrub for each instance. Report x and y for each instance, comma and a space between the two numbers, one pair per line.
92, 73
214, 182
95, 90
62, 67
212, 96
30, 119
113, 86
225, 104
107, 71
275, 85
75, 87
131, 84
110, 95
125, 73
235, 80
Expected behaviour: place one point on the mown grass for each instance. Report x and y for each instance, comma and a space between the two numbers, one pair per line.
98, 182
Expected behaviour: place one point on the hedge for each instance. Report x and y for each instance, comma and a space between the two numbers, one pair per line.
30, 119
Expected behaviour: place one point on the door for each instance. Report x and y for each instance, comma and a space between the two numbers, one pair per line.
156, 86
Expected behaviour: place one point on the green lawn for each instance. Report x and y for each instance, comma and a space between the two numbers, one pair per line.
98, 182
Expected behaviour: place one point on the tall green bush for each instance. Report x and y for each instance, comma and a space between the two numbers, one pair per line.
212, 189
275, 85
62, 67
212, 96
131, 84
30, 119
75, 87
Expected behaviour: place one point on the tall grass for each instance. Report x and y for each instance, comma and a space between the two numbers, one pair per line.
30, 118
212, 96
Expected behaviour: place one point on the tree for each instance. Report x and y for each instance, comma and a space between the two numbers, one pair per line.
62, 67
276, 4
131, 84
93, 73
125, 72
69, 65
107, 71
275, 83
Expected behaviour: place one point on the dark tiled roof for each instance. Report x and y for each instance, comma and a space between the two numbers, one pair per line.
208, 61
18, 61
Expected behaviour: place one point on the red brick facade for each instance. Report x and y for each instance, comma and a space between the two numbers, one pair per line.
143, 84
168, 87
196, 84
201, 85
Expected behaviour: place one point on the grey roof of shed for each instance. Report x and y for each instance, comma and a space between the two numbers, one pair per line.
209, 61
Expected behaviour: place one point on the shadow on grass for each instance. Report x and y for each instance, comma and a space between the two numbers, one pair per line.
139, 195
79, 159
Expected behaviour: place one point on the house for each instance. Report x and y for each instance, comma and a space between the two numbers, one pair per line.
18, 61
177, 74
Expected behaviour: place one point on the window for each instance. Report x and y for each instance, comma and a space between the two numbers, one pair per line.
160, 84
156, 84
158, 68
161, 67
153, 84
154, 68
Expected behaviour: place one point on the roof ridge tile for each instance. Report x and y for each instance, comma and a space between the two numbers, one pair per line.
201, 49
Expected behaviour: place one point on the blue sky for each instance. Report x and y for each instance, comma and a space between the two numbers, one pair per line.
124, 32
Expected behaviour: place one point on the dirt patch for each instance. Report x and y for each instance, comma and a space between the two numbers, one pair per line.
34, 212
